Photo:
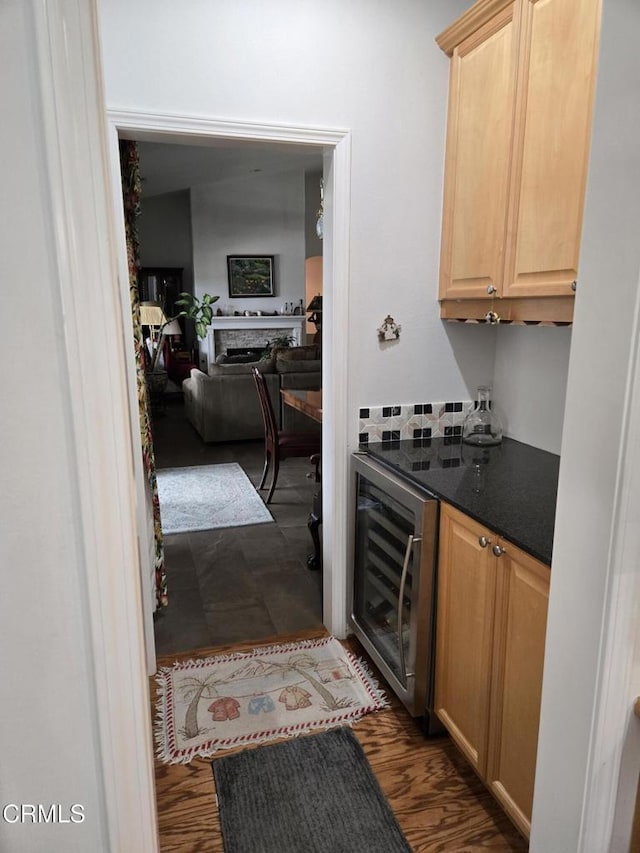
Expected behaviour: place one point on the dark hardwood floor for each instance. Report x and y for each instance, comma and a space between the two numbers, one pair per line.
438, 800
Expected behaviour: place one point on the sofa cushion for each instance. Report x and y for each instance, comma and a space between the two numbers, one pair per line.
301, 366
305, 353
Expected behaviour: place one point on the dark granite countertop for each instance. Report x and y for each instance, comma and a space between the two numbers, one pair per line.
511, 488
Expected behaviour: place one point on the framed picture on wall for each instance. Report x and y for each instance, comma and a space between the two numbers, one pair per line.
250, 275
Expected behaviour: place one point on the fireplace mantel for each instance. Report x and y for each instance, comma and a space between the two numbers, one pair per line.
294, 323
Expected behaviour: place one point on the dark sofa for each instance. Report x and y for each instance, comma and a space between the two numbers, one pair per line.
222, 405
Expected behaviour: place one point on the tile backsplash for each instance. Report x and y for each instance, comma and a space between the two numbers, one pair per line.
399, 421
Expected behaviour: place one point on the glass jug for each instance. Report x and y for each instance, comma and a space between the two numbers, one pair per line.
482, 426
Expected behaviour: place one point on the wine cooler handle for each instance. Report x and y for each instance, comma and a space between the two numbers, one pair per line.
405, 568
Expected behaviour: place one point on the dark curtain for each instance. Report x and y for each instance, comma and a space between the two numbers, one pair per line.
131, 186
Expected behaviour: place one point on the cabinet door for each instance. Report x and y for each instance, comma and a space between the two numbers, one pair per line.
466, 589
479, 136
521, 619
556, 75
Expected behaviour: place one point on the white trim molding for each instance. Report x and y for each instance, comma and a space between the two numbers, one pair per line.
77, 184
336, 494
144, 499
166, 127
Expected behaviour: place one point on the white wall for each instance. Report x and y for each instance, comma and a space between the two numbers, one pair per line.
530, 382
371, 67
48, 735
260, 214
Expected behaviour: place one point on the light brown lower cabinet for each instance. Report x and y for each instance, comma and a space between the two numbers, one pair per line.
491, 626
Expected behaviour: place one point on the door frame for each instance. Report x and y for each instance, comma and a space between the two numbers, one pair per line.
336, 145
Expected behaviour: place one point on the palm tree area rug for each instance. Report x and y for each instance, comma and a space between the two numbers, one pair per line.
316, 794
272, 692
208, 497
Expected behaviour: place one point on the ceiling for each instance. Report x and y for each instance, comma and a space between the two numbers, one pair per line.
168, 167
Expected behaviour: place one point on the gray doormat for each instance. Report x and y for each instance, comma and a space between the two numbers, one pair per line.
313, 794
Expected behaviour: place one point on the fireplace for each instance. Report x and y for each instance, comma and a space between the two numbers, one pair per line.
250, 332
257, 351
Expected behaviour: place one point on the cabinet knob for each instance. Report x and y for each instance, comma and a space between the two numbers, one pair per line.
574, 286
483, 541
498, 551
490, 289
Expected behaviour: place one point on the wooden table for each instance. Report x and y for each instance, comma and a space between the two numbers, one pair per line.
304, 400
310, 403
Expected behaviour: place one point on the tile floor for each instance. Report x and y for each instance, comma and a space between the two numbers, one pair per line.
238, 584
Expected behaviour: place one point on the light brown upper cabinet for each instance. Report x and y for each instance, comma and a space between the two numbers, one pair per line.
519, 127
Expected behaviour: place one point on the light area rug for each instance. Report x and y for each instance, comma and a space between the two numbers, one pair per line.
232, 700
316, 794
208, 497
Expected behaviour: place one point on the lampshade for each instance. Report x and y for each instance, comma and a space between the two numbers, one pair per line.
315, 305
172, 328
151, 314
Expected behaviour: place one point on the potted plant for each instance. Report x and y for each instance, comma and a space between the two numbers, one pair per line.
277, 343
196, 309
152, 315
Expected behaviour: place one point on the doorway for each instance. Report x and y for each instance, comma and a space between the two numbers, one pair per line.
198, 205
335, 146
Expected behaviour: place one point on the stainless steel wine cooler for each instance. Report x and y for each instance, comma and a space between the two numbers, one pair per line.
393, 588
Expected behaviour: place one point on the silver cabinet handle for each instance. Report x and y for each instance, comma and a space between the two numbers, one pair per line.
490, 288
574, 286
483, 541
498, 551
403, 579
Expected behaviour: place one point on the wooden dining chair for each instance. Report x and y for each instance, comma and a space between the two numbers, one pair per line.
279, 444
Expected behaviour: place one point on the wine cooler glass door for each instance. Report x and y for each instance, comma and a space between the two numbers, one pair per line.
386, 548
